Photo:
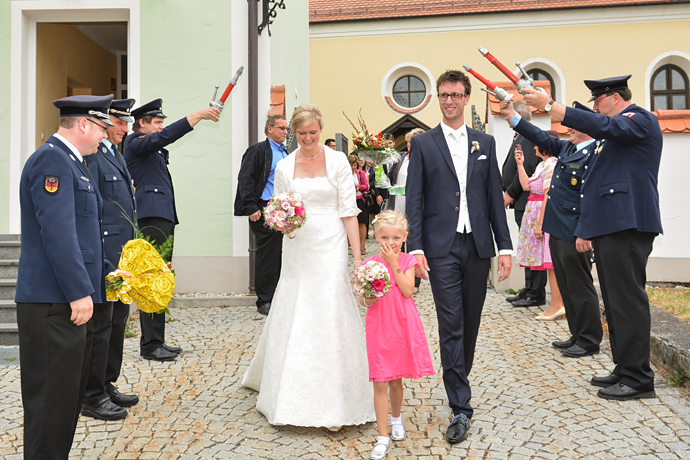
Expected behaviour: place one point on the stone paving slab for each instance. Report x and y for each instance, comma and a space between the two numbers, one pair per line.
530, 401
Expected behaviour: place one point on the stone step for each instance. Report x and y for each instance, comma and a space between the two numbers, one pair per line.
10, 250
10, 237
7, 289
9, 334
8, 311
9, 269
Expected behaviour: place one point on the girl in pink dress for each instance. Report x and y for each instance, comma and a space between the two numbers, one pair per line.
396, 342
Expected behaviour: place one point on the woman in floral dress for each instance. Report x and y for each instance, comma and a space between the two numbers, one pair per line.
533, 244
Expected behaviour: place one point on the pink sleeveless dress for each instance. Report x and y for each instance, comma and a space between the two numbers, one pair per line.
396, 342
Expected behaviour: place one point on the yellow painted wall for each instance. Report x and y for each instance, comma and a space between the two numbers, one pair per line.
65, 56
581, 52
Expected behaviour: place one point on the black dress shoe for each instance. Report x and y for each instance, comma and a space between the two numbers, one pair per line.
605, 382
563, 345
159, 354
104, 410
264, 309
527, 302
176, 350
622, 392
520, 296
576, 351
458, 428
123, 400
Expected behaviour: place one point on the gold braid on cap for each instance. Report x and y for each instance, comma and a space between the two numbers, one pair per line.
120, 112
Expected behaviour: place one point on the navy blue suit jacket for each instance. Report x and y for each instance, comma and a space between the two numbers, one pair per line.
620, 186
562, 211
433, 195
62, 258
147, 161
115, 185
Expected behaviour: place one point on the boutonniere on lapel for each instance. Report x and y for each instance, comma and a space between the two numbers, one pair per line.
475, 147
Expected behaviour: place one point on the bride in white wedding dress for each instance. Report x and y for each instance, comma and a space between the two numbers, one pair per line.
310, 366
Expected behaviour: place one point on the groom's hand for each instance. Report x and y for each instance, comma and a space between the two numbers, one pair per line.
504, 265
422, 267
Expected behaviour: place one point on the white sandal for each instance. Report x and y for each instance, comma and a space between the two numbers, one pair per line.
397, 431
380, 450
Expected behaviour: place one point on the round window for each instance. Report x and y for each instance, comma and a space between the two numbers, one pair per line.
409, 91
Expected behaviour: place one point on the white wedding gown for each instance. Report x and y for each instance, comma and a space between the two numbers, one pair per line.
310, 366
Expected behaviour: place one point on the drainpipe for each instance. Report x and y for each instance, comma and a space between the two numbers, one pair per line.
253, 112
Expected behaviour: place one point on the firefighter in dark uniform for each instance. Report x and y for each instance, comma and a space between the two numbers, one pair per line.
61, 275
147, 160
620, 215
109, 173
573, 269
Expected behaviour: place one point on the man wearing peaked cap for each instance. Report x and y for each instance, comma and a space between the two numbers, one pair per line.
620, 215
61, 275
147, 160
573, 269
110, 175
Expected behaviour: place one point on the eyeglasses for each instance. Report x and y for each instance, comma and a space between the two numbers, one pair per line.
599, 99
282, 128
454, 96
104, 128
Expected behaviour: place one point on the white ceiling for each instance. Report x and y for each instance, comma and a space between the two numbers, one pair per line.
110, 35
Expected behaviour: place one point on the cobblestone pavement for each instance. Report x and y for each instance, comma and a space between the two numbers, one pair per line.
530, 402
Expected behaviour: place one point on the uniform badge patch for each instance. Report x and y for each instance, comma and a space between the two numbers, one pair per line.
51, 184
629, 114
141, 137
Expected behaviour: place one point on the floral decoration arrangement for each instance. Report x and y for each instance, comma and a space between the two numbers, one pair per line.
371, 147
285, 213
371, 280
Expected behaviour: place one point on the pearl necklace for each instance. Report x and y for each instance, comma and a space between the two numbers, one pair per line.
312, 158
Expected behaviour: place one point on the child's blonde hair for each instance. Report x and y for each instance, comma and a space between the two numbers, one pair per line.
393, 218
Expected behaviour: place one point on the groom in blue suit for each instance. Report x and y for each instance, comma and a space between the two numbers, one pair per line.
454, 201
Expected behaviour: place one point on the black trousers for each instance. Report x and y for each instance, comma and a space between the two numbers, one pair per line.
574, 275
269, 249
621, 260
55, 355
458, 283
109, 321
153, 325
535, 280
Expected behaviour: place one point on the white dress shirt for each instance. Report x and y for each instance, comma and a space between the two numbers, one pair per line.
457, 144
70, 146
402, 178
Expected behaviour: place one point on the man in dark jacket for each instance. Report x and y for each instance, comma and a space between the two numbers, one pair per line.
254, 189
110, 175
147, 160
514, 196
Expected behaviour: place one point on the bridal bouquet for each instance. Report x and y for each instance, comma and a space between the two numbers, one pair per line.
371, 280
285, 213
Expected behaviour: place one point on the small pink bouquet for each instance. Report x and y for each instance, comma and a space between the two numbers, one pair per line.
371, 280
285, 213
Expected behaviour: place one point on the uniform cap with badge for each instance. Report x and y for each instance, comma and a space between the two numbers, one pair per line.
152, 109
122, 109
85, 106
605, 85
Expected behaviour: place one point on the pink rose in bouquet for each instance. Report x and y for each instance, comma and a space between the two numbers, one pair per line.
371, 280
285, 213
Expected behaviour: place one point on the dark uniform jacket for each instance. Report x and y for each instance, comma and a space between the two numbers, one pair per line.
619, 190
509, 173
562, 211
253, 177
115, 185
147, 161
433, 195
62, 258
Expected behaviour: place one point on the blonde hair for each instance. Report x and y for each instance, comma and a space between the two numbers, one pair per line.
304, 115
392, 218
413, 133
353, 159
